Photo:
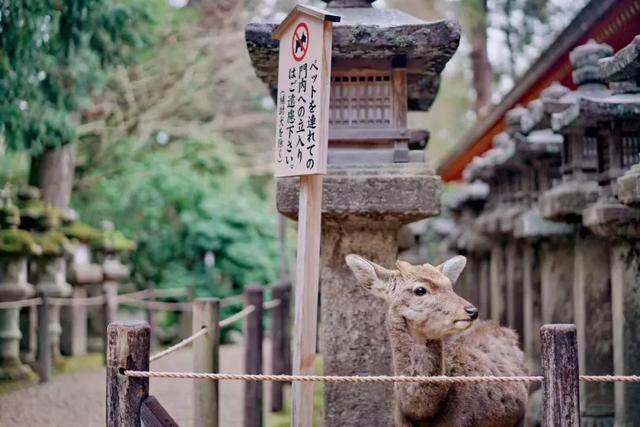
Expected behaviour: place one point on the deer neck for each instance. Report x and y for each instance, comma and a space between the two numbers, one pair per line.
411, 357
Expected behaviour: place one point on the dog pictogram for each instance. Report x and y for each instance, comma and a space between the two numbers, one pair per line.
300, 42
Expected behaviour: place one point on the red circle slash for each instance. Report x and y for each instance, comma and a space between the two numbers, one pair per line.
300, 42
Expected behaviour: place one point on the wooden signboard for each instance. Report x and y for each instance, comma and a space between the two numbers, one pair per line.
304, 70
301, 150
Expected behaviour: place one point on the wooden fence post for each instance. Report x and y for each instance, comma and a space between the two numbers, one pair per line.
150, 318
109, 309
561, 376
253, 335
45, 362
127, 349
206, 314
280, 343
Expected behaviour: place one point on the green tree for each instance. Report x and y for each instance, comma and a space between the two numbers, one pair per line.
54, 56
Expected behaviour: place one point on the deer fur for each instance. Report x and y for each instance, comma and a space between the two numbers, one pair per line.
436, 334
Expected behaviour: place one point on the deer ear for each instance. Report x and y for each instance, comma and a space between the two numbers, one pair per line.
452, 268
370, 275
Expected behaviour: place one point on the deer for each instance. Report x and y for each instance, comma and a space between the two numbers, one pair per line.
432, 332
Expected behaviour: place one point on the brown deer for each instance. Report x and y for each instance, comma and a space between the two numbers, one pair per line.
433, 331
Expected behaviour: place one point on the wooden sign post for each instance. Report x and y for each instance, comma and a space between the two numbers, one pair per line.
301, 150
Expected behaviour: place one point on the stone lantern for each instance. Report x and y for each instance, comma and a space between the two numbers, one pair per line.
579, 149
82, 272
15, 246
616, 217
545, 280
110, 250
492, 168
384, 63
474, 284
49, 269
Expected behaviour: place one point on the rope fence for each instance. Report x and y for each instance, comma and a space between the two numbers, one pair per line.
185, 342
440, 379
21, 303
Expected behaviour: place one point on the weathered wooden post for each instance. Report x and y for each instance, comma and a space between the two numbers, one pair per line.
127, 349
280, 347
109, 310
45, 356
561, 376
206, 314
186, 316
149, 315
253, 335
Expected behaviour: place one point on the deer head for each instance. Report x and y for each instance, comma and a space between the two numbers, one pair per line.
420, 295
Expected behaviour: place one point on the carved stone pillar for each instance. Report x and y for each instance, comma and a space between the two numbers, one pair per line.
13, 287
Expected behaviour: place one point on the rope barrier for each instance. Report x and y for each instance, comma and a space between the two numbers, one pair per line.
235, 317
97, 300
367, 379
21, 303
185, 342
331, 378
269, 305
156, 305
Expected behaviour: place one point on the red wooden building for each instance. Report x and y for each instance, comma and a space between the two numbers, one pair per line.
614, 22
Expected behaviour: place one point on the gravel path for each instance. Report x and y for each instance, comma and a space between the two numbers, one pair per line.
78, 399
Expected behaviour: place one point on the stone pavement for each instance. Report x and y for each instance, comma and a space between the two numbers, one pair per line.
78, 399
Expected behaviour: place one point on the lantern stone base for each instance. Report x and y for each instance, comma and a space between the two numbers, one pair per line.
362, 208
629, 186
593, 319
13, 287
625, 297
556, 270
608, 218
568, 200
73, 318
50, 281
11, 368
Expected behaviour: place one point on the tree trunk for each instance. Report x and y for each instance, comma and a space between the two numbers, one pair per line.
481, 67
53, 172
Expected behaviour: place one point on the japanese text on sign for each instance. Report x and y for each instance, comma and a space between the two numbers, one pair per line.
298, 142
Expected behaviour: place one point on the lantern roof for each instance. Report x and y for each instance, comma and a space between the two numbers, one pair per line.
369, 37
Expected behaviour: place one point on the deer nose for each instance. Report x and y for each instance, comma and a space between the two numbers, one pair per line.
471, 311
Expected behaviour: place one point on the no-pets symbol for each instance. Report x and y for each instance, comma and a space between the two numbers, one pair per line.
300, 42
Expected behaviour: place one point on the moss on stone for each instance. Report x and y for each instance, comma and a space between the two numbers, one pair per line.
15, 241
53, 243
82, 232
113, 241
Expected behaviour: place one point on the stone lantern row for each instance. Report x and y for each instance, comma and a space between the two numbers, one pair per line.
559, 227
47, 252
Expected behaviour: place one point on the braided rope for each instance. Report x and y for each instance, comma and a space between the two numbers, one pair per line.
21, 303
611, 378
235, 317
185, 342
442, 379
332, 378
97, 300
271, 304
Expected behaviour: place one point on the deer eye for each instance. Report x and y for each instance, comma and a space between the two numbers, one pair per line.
419, 291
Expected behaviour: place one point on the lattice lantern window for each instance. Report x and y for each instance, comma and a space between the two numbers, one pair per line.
361, 100
368, 116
